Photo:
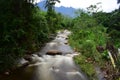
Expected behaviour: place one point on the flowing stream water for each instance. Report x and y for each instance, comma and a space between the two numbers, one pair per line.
47, 67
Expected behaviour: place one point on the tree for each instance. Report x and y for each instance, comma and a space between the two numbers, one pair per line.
94, 8
118, 1
51, 15
50, 4
21, 30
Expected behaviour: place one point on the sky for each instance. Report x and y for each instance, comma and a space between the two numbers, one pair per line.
106, 5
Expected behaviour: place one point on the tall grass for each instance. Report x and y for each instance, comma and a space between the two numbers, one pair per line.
87, 35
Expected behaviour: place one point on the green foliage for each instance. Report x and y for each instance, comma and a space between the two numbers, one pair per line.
92, 29
25, 28
50, 5
86, 67
115, 37
112, 22
21, 31
87, 35
105, 55
66, 22
53, 19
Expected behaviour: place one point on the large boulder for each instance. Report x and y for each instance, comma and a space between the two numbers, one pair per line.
54, 52
28, 58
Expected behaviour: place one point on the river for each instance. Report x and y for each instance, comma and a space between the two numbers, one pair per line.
51, 67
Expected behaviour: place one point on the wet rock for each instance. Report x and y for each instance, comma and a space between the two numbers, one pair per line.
7, 73
34, 58
39, 55
66, 38
28, 58
54, 52
62, 36
66, 43
22, 63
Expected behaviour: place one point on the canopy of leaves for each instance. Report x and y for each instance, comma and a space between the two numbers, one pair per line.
21, 30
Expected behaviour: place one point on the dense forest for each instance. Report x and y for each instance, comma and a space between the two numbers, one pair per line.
25, 28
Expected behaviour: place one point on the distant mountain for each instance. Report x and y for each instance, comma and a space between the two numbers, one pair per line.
68, 11
41, 5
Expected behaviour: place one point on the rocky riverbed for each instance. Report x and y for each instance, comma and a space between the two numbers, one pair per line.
53, 62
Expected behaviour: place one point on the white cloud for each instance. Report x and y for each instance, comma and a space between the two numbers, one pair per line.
37, 1
107, 5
